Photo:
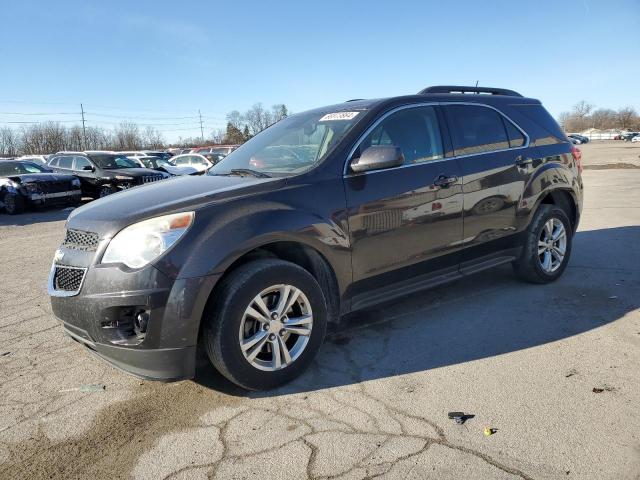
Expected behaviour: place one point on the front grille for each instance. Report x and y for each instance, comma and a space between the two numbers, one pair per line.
68, 279
79, 240
56, 187
152, 178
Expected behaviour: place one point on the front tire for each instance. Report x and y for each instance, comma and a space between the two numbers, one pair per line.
105, 191
265, 324
13, 203
547, 247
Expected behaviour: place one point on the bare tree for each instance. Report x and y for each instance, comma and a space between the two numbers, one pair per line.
627, 117
603, 118
257, 118
127, 137
8, 142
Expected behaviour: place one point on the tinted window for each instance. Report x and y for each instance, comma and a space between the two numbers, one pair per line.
414, 130
516, 139
81, 162
54, 162
476, 129
65, 162
551, 131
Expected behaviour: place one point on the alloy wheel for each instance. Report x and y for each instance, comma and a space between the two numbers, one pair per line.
552, 245
276, 327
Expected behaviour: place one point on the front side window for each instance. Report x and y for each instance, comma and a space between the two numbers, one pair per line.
476, 129
291, 146
81, 162
414, 130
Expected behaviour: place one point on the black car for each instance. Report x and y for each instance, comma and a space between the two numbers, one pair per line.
103, 173
371, 200
24, 184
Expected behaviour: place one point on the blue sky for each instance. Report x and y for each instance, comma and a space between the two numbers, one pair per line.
154, 61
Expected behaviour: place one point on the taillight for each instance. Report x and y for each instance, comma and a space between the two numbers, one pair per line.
577, 156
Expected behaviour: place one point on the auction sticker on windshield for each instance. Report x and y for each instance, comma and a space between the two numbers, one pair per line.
339, 116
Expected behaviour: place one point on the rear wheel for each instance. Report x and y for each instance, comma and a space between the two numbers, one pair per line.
266, 324
13, 203
547, 247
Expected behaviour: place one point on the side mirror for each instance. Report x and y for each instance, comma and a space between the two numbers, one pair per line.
378, 157
88, 168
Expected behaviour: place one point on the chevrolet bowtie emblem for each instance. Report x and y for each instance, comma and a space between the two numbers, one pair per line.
58, 256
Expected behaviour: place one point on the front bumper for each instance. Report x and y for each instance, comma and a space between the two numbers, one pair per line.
96, 316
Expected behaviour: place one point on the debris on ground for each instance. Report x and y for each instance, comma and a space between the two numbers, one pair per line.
98, 387
488, 431
604, 388
459, 417
571, 373
4, 354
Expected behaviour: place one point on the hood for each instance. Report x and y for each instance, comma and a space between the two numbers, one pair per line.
109, 215
132, 172
40, 178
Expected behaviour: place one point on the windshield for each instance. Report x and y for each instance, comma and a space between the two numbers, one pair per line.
291, 146
113, 162
8, 169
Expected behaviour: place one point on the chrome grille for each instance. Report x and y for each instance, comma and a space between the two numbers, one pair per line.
68, 279
79, 240
152, 178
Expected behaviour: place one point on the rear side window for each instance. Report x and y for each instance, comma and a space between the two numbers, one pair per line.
516, 139
551, 132
65, 162
476, 129
414, 130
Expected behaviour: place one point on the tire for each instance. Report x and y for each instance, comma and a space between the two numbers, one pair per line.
226, 324
533, 266
13, 204
105, 191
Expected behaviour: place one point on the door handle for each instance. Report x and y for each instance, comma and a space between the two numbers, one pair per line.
523, 162
444, 181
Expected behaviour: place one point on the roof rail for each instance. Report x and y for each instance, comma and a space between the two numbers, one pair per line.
355, 100
460, 89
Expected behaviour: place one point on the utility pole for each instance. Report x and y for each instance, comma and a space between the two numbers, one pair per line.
84, 130
201, 129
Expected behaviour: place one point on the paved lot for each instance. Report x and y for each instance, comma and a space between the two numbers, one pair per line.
611, 154
522, 359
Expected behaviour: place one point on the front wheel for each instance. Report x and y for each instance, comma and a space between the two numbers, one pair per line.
547, 247
13, 203
105, 191
266, 324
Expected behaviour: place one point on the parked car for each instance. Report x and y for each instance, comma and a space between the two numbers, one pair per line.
255, 262
201, 162
103, 173
574, 141
628, 136
223, 150
579, 138
24, 184
162, 165
41, 159
636, 139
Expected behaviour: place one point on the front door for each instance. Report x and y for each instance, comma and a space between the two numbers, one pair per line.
405, 222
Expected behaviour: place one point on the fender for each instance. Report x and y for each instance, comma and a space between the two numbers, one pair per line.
547, 178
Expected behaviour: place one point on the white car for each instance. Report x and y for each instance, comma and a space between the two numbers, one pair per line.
155, 163
200, 162
635, 139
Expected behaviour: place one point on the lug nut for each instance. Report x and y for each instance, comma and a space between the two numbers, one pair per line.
272, 337
274, 315
282, 333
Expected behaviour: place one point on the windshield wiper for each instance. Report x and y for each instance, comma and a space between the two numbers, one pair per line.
247, 171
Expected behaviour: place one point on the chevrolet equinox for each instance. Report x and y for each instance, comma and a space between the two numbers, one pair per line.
325, 212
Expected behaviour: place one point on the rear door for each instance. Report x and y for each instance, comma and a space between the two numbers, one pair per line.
492, 153
405, 223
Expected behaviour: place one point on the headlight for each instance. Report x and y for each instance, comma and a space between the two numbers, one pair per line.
75, 182
141, 243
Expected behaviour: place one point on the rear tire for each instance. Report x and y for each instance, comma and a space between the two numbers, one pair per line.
13, 204
547, 246
264, 353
